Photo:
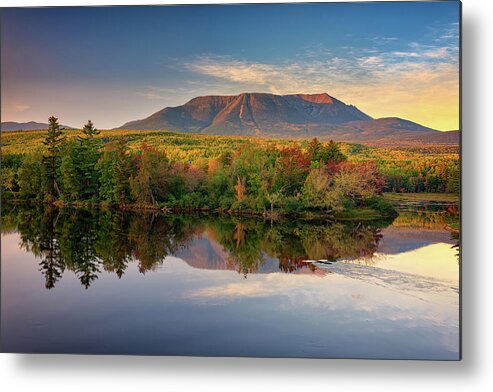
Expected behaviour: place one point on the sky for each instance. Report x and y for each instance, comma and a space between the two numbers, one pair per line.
116, 64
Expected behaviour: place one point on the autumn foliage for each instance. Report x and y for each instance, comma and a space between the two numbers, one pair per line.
200, 172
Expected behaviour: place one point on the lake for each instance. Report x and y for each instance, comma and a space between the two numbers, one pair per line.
113, 282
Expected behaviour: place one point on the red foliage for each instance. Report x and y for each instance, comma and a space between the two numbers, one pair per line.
333, 167
294, 158
367, 170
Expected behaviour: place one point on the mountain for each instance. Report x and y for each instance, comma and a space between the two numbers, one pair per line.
389, 131
253, 114
204, 252
291, 116
25, 126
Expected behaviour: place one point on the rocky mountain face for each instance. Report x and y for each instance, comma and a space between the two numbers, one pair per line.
290, 116
252, 114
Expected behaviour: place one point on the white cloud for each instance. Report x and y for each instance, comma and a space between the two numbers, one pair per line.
417, 81
405, 54
15, 107
384, 83
421, 66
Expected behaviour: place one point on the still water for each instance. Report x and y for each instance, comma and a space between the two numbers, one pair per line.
112, 282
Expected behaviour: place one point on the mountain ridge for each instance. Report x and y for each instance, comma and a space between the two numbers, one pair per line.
285, 116
251, 113
7, 126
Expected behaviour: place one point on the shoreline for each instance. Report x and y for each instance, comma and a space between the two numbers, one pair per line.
346, 215
423, 197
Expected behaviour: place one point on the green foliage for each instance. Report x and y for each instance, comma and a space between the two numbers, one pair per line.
319, 152
316, 189
89, 154
89, 131
114, 169
380, 204
78, 172
12, 161
149, 184
264, 176
453, 179
89, 242
422, 197
70, 178
9, 182
53, 141
29, 176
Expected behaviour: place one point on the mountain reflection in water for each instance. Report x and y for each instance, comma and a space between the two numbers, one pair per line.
150, 283
89, 241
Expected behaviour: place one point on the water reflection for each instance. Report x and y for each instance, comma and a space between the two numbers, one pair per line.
383, 291
430, 218
88, 241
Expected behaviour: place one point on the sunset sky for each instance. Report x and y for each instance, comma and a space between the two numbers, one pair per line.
116, 64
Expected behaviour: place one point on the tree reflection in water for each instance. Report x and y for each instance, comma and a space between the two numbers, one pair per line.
88, 241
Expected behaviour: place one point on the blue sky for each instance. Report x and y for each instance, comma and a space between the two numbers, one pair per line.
114, 64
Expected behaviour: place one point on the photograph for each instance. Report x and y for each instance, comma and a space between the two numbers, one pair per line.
232, 180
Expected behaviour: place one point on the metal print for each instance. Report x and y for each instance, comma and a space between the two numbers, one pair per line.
268, 180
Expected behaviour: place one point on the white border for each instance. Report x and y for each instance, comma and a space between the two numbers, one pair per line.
83, 373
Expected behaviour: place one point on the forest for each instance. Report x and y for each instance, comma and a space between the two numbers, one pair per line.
172, 171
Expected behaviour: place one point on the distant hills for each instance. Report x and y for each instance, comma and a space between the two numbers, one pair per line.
25, 126
288, 116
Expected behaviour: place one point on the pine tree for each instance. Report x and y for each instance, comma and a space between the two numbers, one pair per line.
115, 169
54, 141
88, 159
89, 131
71, 181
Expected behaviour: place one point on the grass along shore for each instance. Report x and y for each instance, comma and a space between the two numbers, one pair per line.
422, 197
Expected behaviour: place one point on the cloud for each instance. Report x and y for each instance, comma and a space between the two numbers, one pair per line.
405, 54
187, 90
382, 40
416, 284
419, 82
438, 53
448, 34
15, 107
153, 92
431, 64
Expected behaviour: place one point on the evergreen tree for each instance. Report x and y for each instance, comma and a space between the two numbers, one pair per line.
70, 175
333, 153
78, 166
51, 159
318, 152
89, 131
115, 169
315, 150
453, 183
88, 159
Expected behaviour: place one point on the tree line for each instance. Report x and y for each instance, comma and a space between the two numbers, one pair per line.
253, 178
